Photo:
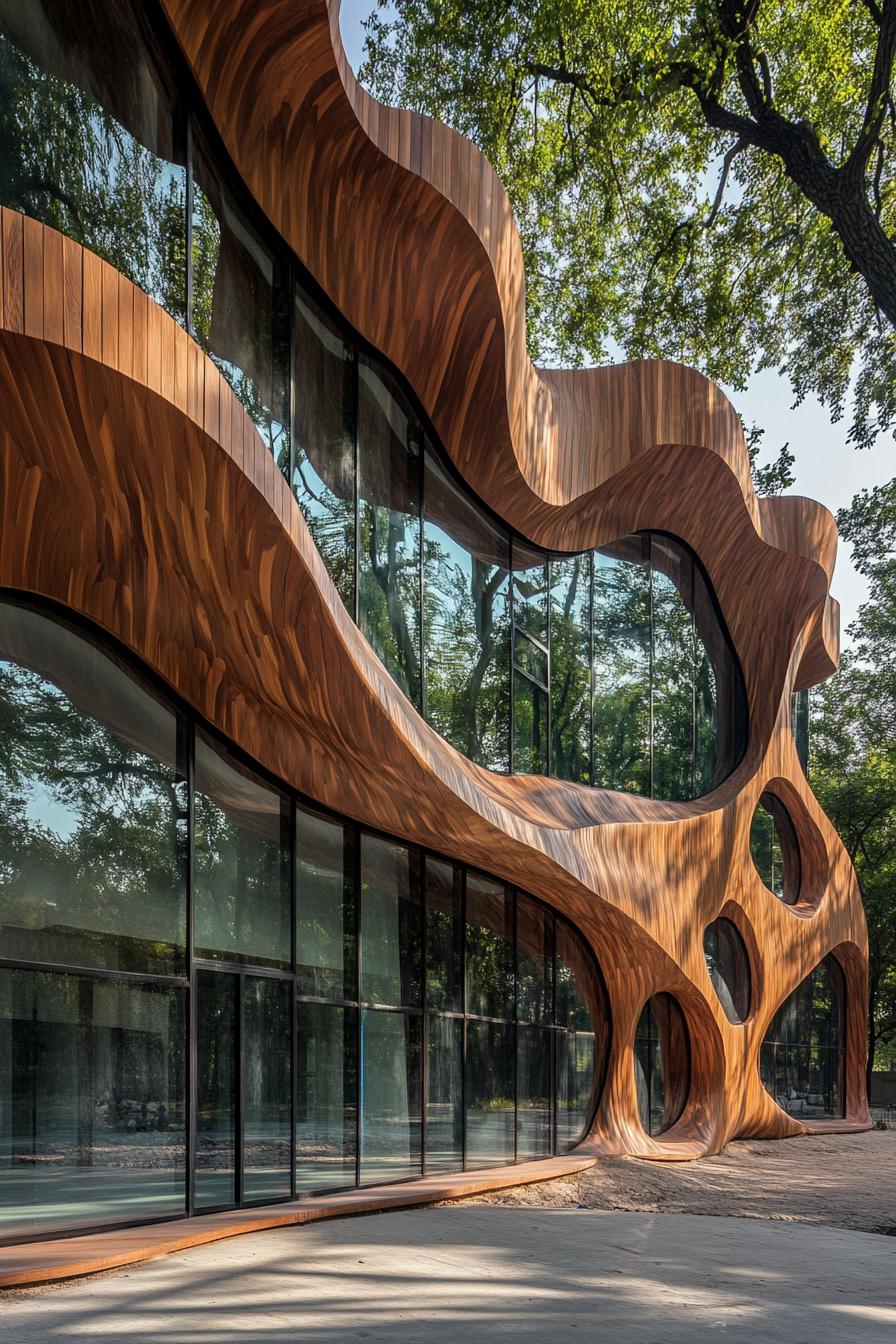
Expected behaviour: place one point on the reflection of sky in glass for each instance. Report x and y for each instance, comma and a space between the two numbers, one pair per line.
44, 808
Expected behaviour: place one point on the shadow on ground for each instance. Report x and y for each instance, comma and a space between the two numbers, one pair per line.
466, 1274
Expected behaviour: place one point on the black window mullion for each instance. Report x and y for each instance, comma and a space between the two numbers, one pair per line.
188, 283
241, 1083
647, 553
356, 396
293, 1014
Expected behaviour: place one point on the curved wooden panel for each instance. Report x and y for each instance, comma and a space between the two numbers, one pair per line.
136, 491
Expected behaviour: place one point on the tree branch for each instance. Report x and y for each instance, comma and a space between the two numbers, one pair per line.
877, 105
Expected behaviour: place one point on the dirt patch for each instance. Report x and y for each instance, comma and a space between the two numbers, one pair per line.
839, 1180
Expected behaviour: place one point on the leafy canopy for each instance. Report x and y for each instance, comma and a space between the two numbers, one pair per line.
710, 182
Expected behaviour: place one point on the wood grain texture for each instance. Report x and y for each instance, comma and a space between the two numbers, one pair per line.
154, 513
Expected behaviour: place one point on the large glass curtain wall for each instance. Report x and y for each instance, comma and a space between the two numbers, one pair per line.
212, 994
610, 668
802, 1058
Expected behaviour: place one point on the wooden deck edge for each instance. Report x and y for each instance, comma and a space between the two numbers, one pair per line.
31, 1263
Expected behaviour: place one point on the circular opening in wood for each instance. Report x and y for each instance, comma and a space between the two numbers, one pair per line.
728, 964
662, 1064
775, 849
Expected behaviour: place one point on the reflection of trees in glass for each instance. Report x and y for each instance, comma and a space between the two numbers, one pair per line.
238, 308
673, 683
389, 521
466, 624
621, 674
323, 471
92, 828
67, 161
801, 1060
571, 668
240, 857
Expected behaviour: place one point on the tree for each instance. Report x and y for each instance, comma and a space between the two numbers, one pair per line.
708, 181
854, 750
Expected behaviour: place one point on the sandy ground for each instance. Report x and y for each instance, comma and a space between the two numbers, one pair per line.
462, 1275
842, 1180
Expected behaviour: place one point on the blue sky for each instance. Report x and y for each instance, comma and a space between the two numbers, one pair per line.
826, 468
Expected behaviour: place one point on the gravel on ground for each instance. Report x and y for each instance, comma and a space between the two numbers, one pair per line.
838, 1180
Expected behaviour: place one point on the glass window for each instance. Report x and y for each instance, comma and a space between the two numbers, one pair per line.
326, 1096
530, 726
217, 1011
583, 1041
92, 1125
323, 468
728, 965
622, 666
444, 936
673, 669
720, 697
534, 960
240, 863
490, 1094
571, 668
490, 988
391, 1147
799, 717
534, 1127
802, 1056
662, 1064
466, 622
267, 1150
325, 897
578, 1077
93, 852
445, 1092
90, 142
530, 592
240, 305
390, 924
389, 466
775, 850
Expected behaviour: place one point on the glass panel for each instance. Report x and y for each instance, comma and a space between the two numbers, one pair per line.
92, 1124
578, 1069
729, 968
534, 1122
466, 622
530, 658
444, 1102
326, 1096
390, 924
662, 1064
240, 305
267, 1151
673, 670
534, 961
323, 470
583, 1044
240, 863
490, 989
530, 591
721, 722
93, 852
389, 446
490, 1093
571, 668
622, 667
775, 849
802, 1056
216, 1087
444, 937
325, 896
530, 727
799, 715
390, 1096
89, 142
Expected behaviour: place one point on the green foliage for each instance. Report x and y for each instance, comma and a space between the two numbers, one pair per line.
710, 181
854, 749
